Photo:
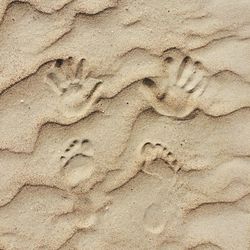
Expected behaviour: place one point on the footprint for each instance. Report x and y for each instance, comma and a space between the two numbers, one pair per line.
151, 152
153, 219
77, 162
177, 92
76, 91
77, 147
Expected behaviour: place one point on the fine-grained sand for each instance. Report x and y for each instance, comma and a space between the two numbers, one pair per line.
124, 124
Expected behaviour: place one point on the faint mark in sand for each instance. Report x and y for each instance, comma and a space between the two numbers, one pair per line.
205, 246
177, 93
226, 183
77, 165
168, 245
94, 7
153, 219
77, 93
42, 218
151, 152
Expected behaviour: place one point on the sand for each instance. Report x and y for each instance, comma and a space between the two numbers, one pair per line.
124, 124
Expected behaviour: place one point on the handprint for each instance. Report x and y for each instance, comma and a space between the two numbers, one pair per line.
176, 94
77, 93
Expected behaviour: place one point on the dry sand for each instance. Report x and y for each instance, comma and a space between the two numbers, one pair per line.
124, 124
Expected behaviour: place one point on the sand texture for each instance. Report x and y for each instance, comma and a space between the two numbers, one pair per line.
124, 124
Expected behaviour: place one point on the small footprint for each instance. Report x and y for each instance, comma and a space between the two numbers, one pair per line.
77, 147
151, 152
77, 162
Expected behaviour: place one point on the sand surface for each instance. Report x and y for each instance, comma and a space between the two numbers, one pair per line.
124, 124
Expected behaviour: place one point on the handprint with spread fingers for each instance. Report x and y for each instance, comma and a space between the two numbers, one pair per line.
177, 93
77, 92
